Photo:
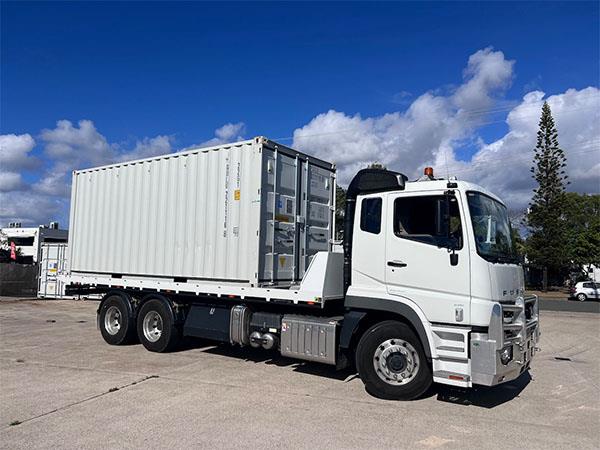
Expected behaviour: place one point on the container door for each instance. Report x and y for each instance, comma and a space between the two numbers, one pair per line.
297, 217
316, 214
278, 241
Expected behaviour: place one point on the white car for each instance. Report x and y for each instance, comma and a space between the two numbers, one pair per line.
585, 290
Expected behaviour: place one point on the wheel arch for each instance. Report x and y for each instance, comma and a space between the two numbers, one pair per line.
364, 312
176, 316
124, 295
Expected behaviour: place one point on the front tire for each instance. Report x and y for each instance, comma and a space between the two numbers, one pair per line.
391, 362
581, 297
116, 325
156, 328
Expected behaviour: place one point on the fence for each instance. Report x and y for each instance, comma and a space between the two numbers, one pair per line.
18, 280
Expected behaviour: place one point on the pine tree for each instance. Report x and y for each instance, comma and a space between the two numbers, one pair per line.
547, 246
340, 209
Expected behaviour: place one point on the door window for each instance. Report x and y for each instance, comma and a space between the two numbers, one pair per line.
370, 215
423, 219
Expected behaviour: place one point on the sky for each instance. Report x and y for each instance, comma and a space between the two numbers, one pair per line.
455, 85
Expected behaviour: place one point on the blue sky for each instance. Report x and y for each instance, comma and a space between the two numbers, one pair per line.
182, 70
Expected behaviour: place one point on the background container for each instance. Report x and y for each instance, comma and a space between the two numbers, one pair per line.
53, 260
250, 212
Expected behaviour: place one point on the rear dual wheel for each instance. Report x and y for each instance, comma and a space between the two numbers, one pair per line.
156, 326
116, 323
391, 362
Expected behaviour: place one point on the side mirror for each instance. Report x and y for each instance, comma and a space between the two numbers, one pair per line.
453, 243
454, 258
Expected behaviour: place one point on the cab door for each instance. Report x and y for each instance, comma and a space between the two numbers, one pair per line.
427, 255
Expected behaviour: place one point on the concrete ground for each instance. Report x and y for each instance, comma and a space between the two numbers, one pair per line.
62, 386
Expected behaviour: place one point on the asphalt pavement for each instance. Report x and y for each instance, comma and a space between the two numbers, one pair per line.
552, 304
63, 387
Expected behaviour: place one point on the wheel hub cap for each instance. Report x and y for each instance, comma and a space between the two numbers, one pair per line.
112, 320
396, 361
152, 326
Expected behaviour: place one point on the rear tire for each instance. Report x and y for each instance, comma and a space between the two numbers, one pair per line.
156, 328
391, 362
581, 297
116, 325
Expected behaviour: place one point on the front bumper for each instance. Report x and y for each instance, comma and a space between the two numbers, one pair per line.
514, 329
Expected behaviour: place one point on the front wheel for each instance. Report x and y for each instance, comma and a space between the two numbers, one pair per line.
391, 362
581, 297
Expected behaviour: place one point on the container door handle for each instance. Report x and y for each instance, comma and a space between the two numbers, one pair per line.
396, 264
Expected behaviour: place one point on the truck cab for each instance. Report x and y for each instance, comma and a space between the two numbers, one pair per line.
438, 254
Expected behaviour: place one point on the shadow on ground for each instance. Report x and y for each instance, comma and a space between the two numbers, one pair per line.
483, 396
480, 396
271, 358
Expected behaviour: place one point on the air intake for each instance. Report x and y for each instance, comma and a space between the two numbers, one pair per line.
366, 181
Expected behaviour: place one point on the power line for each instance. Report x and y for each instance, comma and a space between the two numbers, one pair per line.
498, 161
469, 113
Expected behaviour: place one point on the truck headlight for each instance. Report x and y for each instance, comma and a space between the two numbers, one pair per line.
506, 355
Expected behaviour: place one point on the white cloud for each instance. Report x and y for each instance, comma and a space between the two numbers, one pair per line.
148, 147
14, 152
72, 147
503, 165
230, 132
32, 208
429, 132
435, 126
406, 141
83, 145
487, 72
10, 181
66, 147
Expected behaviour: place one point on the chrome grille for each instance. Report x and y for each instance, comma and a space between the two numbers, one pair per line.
519, 319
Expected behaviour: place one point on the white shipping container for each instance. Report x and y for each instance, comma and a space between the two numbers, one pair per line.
253, 212
53, 261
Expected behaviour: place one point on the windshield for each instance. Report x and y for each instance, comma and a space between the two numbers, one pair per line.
491, 228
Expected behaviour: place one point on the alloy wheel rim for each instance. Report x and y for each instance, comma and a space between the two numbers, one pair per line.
152, 326
112, 320
396, 362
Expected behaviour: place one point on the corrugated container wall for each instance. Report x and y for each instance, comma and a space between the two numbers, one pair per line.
252, 212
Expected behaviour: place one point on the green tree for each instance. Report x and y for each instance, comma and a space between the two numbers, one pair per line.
340, 209
582, 217
546, 245
517, 242
340, 202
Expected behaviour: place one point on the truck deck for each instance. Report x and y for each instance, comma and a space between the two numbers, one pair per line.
323, 281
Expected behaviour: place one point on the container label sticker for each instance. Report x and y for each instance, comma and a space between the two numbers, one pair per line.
236, 194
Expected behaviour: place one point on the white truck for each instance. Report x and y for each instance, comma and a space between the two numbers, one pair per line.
235, 244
